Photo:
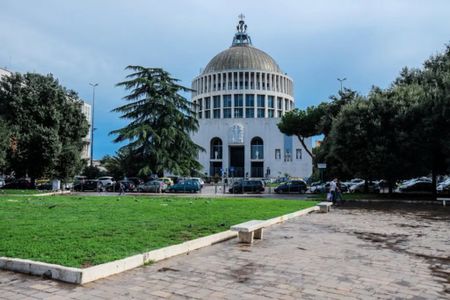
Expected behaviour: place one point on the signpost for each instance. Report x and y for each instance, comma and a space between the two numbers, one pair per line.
321, 167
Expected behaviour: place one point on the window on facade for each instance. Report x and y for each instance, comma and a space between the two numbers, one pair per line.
249, 100
226, 100
260, 101
260, 113
216, 101
238, 112
200, 104
216, 148
227, 113
249, 113
271, 113
257, 148
271, 101
280, 113
207, 103
286, 104
207, 114
298, 153
287, 155
277, 153
238, 100
280, 103
216, 114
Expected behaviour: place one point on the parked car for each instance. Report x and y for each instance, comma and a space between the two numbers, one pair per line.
247, 186
22, 184
186, 185
444, 187
86, 185
45, 186
106, 181
199, 180
128, 186
294, 186
136, 180
360, 188
2, 182
153, 186
167, 181
418, 186
317, 188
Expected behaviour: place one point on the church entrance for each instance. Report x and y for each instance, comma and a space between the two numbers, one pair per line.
236, 168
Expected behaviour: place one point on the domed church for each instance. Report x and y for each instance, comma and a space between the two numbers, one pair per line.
239, 98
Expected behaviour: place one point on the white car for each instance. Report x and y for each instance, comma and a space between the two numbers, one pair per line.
106, 181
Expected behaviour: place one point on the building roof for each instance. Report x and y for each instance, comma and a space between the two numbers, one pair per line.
242, 55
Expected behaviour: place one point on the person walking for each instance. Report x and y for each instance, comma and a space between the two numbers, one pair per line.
121, 188
339, 199
333, 188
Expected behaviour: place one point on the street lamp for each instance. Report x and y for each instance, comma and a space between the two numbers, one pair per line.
94, 85
341, 80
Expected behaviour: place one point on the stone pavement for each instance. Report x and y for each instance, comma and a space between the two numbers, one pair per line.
351, 253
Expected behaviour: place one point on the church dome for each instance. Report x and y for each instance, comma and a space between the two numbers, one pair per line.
242, 56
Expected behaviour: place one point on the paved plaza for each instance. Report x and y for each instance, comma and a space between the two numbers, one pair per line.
399, 252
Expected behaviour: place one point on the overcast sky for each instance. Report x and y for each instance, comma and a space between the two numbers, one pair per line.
83, 41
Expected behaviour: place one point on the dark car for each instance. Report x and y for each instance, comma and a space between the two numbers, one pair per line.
416, 187
187, 185
128, 186
86, 185
294, 186
247, 186
136, 180
21, 184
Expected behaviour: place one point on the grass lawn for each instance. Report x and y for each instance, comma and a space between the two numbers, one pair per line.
81, 231
20, 192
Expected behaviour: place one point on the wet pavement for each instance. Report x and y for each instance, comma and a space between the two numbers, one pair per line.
366, 252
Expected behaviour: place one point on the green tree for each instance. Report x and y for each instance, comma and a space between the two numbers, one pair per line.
4, 143
46, 122
161, 122
123, 163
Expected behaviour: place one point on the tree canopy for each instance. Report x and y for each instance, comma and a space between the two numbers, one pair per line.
45, 124
161, 122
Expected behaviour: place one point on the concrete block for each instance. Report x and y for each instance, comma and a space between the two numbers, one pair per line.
246, 237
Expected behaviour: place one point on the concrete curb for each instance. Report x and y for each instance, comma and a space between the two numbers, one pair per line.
82, 276
52, 193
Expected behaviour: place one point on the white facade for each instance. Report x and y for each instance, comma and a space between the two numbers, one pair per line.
239, 99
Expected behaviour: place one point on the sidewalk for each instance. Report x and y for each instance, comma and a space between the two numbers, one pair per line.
346, 254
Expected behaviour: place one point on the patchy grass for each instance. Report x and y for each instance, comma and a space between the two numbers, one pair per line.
81, 231
20, 192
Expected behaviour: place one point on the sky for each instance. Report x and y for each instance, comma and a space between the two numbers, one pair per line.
314, 42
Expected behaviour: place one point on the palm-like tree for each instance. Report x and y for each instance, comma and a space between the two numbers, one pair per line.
161, 122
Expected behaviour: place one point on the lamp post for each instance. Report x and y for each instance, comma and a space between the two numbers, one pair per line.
94, 85
341, 80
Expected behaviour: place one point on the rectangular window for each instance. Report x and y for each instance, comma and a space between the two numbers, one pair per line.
207, 103
286, 104
280, 113
260, 100
207, 114
227, 113
216, 114
271, 101
249, 100
287, 155
280, 103
238, 100
277, 153
271, 113
199, 114
200, 104
298, 153
216, 101
238, 112
261, 113
226, 100
249, 113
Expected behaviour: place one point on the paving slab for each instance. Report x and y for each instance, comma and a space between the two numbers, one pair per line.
365, 252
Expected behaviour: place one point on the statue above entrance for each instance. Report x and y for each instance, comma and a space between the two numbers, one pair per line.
236, 134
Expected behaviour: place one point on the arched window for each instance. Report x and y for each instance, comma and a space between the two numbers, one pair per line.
216, 148
257, 148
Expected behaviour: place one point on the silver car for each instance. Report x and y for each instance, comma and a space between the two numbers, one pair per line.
154, 186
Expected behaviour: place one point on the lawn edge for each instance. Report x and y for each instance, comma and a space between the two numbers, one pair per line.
82, 276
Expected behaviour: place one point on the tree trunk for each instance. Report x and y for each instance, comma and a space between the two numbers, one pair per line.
390, 184
366, 186
433, 183
302, 141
